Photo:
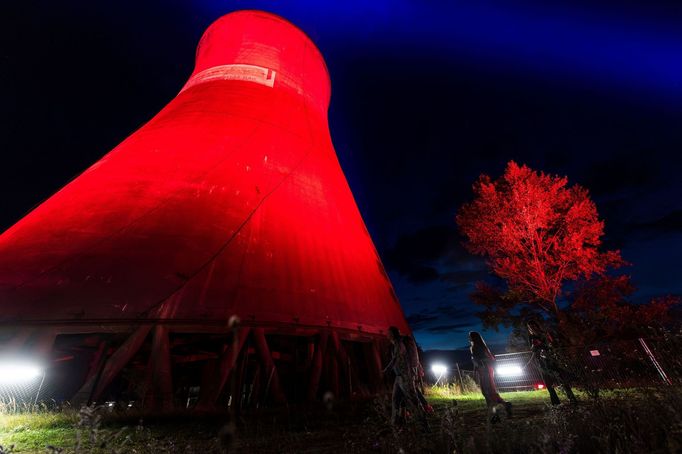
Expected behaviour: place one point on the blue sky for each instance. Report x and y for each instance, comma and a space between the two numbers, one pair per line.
426, 95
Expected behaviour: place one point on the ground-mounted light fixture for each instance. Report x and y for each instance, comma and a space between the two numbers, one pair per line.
20, 378
509, 370
439, 371
19, 372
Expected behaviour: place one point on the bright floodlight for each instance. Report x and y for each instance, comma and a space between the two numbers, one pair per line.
509, 371
14, 373
439, 369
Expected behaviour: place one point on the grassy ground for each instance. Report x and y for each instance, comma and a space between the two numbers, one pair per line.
642, 421
32, 432
105, 432
341, 430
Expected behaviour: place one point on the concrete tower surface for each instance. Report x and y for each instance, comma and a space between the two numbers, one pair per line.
229, 202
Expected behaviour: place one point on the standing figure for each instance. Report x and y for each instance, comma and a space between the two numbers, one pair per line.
543, 345
483, 366
403, 389
417, 371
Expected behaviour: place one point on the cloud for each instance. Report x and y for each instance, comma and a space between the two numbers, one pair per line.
468, 276
452, 327
413, 254
427, 244
669, 223
621, 173
419, 320
619, 236
422, 256
418, 274
442, 318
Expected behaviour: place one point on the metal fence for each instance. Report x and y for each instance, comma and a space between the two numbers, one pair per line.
517, 371
622, 364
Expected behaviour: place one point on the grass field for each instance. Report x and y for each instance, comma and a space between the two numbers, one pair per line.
642, 421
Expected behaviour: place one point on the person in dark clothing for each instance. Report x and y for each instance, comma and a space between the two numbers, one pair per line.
403, 388
543, 346
417, 371
483, 366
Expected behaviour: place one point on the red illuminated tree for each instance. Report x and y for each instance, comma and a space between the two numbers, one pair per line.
536, 232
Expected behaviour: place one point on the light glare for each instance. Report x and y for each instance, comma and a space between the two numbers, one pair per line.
439, 369
508, 371
16, 373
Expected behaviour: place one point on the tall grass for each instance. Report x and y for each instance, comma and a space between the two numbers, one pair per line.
629, 421
645, 421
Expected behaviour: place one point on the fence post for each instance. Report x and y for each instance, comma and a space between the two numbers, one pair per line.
651, 356
459, 375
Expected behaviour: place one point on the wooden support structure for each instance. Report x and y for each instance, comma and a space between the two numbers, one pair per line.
237, 382
97, 361
350, 373
94, 387
333, 375
273, 387
373, 354
346, 363
316, 367
160, 370
213, 386
341, 363
254, 394
310, 354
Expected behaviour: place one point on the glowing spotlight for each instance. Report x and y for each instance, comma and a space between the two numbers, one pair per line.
18, 372
509, 371
439, 369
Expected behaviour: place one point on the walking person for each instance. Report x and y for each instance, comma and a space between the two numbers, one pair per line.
417, 371
403, 389
543, 346
484, 367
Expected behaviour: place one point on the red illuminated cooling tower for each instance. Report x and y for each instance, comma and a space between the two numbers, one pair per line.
230, 201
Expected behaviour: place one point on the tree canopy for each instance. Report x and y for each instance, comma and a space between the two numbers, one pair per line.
536, 232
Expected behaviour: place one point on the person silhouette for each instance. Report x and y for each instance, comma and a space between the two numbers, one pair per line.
543, 346
403, 387
484, 361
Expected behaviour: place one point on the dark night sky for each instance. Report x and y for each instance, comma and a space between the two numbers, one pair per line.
426, 95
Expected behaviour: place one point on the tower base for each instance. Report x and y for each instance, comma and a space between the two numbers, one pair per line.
171, 365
